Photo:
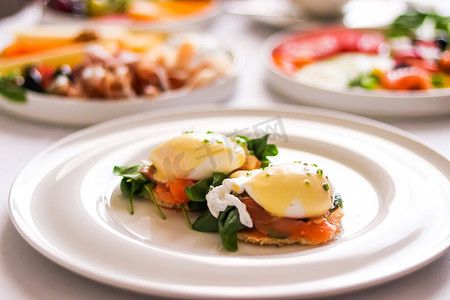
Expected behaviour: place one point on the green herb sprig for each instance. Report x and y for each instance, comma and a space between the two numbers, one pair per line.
135, 184
260, 148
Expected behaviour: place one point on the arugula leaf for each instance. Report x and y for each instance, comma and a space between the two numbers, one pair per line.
206, 222
261, 149
133, 182
229, 225
198, 191
11, 90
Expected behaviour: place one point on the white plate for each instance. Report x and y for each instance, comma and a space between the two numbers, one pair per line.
199, 20
80, 112
66, 203
374, 103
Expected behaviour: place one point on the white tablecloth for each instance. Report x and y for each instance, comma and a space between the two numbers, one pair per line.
26, 274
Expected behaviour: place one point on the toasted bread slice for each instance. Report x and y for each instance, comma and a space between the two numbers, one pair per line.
253, 236
161, 203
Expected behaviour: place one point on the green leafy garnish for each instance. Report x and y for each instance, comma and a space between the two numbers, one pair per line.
135, 184
407, 24
198, 191
367, 81
229, 225
437, 80
337, 202
261, 149
11, 90
206, 222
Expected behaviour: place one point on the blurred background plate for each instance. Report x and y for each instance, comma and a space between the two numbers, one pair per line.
72, 111
374, 103
140, 14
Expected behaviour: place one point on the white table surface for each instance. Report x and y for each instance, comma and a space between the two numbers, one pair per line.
26, 274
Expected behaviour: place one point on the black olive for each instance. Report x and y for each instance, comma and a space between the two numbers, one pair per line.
61, 5
32, 80
400, 65
441, 42
64, 70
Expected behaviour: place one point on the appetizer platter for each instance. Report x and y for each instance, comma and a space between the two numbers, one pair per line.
400, 71
77, 75
135, 14
72, 201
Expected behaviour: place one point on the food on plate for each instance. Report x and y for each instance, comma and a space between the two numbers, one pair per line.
236, 189
179, 172
108, 62
279, 205
133, 10
412, 54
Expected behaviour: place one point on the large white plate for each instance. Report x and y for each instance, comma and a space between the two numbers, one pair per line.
74, 111
199, 20
66, 203
373, 103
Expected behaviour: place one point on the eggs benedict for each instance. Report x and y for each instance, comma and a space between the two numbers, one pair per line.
282, 204
183, 168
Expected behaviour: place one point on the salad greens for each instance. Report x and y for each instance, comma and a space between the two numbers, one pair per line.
367, 81
229, 225
260, 148
134, 183
11, 90
407, 24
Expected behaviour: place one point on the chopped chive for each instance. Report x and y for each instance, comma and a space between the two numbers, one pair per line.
326, 187
320, 172
205, 141
307, 182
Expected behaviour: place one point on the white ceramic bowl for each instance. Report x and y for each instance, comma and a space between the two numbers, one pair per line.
380, 103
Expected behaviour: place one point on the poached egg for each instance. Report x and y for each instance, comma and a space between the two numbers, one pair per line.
196, 155
296, 190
